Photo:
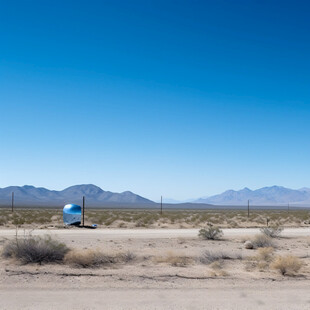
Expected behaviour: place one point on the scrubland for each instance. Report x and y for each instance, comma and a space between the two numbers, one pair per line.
136, 260
241, 266
153, 219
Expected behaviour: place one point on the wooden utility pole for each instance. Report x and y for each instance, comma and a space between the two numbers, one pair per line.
83, 211
288, 208
161, 205
12, 201
248, 208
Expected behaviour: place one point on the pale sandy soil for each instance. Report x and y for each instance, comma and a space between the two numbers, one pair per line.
151, 282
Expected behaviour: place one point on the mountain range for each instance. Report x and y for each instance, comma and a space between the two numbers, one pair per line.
95, 196
274, 195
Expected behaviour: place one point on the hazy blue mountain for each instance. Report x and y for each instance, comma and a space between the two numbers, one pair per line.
273, 195
30, 195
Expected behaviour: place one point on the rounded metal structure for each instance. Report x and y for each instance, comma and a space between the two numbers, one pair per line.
72, 214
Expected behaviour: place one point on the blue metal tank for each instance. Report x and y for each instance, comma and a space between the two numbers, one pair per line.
72, 214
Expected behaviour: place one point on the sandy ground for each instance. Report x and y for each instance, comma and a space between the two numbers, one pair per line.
149, 283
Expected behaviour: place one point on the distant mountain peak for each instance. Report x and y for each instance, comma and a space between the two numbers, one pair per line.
271, 195
29, 194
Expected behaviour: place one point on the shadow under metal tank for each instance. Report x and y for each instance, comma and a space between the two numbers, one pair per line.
72, 214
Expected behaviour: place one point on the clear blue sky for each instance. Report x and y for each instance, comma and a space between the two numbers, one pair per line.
175, 98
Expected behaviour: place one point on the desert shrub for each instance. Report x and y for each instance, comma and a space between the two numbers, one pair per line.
174, 259
272, 232
287, 265
88, 258
35, 250
95, 258
3, 220
127, 257
208, 257
262, 241
210, 233
265, 254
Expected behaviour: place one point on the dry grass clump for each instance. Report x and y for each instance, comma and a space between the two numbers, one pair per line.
217, 269
87, 258
263, 258
95, 258
265, 254
272, 232
209, 257
210, 233
35, 250
174, 259
286, 265
262, 241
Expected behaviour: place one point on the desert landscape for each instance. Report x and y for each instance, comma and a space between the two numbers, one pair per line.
140, 260
154, 155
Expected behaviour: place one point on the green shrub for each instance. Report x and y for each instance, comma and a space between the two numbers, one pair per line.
272, 232
210, 233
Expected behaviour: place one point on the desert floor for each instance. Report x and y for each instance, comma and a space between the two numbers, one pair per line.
166, 274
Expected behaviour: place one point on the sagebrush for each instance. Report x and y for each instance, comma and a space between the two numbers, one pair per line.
262, 241
95, 258
208, 257
287, 265
272, 232
211, 233
37, 249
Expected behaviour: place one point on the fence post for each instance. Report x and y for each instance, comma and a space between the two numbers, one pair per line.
83, 211
12, 202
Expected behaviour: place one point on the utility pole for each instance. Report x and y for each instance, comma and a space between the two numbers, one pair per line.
83, 211
12, 202
288, 208
248, 208
161, 205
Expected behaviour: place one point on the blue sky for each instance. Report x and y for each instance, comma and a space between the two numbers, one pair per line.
175, 98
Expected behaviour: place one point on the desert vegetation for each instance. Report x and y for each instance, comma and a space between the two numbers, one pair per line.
215, 258
127, 218
31, 249
262, 241
210, 233
272, 232
287, 265
96, 258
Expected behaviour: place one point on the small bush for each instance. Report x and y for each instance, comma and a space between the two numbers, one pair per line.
265, 254
35, 250
88, 258
287, 265
262, 241
95, 258
211, 233
209, 257
174, 260
128, 257
272, 232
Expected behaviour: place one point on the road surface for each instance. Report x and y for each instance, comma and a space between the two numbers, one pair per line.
151, 299
146, 233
